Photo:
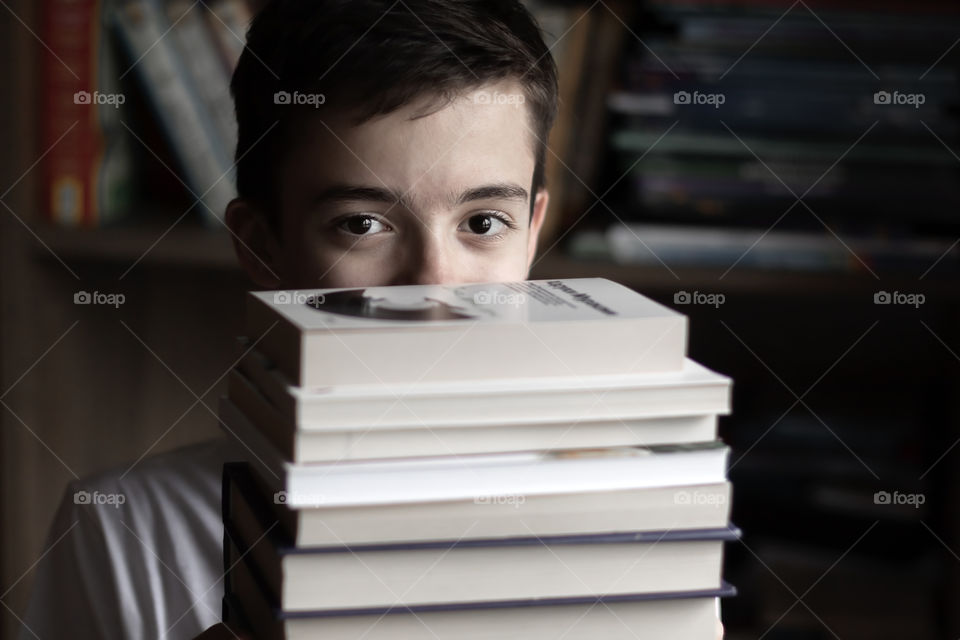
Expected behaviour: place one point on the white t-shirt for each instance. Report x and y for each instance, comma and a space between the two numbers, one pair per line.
137, 555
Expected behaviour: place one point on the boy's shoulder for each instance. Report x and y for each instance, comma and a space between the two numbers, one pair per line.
146, 538
184, 483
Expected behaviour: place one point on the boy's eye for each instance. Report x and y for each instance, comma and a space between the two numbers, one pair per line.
485, 224
362, 225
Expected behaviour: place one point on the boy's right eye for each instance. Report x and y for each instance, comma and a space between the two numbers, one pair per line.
361, 225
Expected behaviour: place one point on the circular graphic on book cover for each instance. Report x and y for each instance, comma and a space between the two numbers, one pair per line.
388, 303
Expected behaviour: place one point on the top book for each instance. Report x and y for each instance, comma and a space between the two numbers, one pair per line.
429, 333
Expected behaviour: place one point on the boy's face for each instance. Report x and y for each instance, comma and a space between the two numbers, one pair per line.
442, 198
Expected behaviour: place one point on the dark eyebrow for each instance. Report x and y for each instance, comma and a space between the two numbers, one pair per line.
498, 191
342, 192
348, 192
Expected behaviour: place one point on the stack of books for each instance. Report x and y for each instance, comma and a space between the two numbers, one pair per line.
532, 459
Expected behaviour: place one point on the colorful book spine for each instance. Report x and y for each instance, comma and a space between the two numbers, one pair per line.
188, 123
86, 178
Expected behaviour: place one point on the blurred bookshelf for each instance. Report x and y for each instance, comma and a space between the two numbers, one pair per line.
800, 159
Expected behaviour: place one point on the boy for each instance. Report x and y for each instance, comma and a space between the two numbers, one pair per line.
380, 143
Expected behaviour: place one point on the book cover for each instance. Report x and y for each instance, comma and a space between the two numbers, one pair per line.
581, 326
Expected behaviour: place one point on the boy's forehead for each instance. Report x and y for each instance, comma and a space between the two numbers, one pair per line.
482, 136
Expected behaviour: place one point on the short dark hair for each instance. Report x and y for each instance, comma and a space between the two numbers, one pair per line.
376, 56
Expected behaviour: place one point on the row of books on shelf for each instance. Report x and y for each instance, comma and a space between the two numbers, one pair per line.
535, 459
182, 55
740, 109
728, 248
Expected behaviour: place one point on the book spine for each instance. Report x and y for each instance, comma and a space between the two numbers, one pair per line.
85, 174
210, 79
141, 26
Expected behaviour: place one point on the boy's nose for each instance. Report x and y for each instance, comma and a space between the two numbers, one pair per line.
430, 262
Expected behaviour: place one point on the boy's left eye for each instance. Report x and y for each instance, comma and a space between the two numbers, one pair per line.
487, 224
361, 225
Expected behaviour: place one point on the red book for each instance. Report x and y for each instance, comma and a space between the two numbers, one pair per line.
85, 166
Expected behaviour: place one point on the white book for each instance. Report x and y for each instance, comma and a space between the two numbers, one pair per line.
423, 479
480, 331
253, 509
252, 416
692, 390
484, 571
679, 618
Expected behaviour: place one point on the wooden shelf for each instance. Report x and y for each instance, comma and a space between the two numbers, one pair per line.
739, 280
157, 244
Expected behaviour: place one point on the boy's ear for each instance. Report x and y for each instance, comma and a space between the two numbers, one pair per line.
256, 245
536, 222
